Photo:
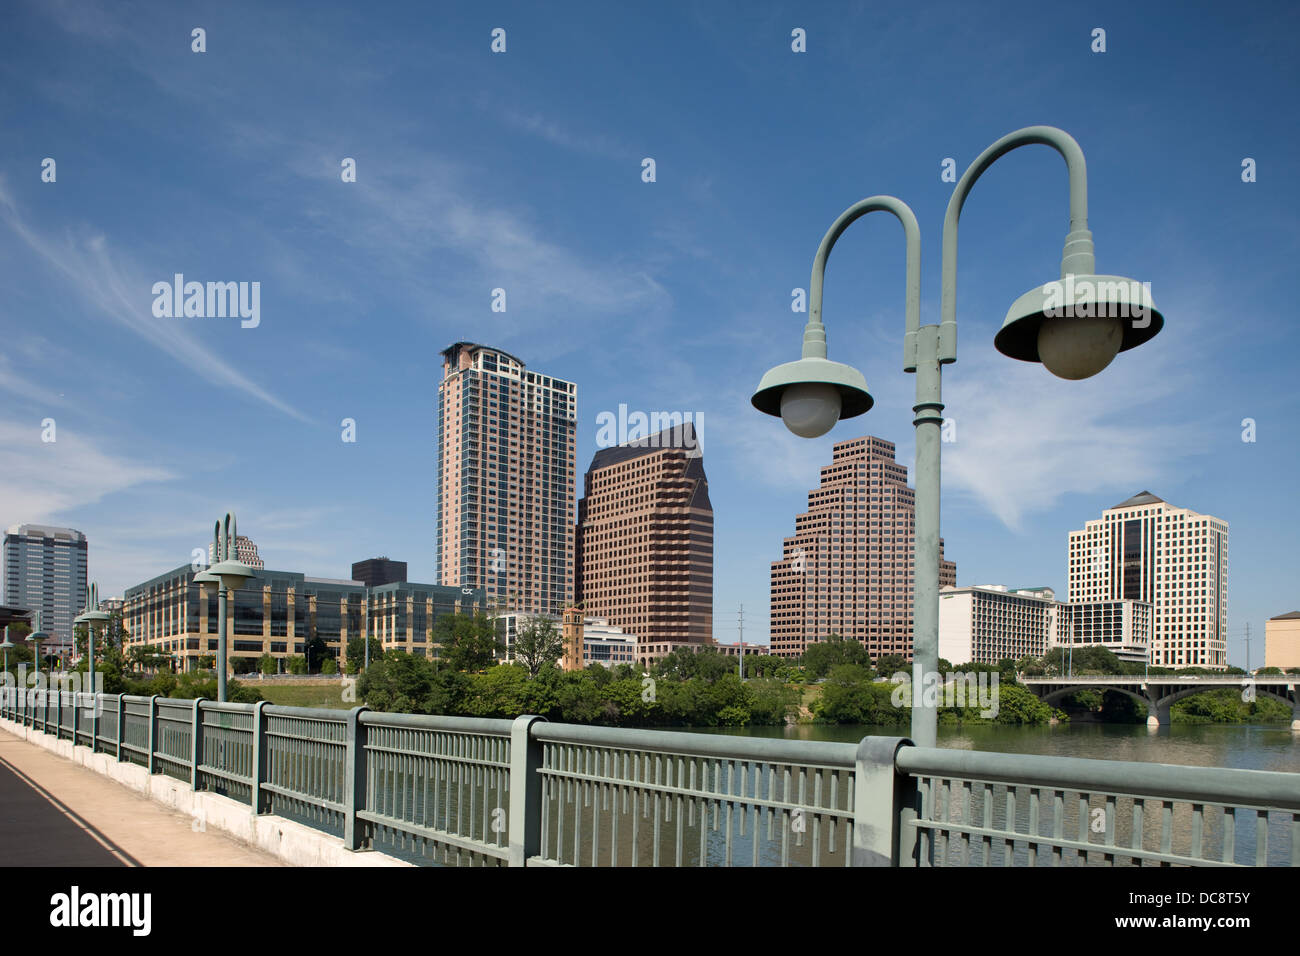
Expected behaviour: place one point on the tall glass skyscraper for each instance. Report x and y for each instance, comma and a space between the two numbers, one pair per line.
507, 452
45, 570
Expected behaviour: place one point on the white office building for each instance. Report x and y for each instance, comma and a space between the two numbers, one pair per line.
1173, 559
987, 623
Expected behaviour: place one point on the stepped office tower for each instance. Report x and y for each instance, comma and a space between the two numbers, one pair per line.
506, 462
645, 541
1145, 549
245, 552
45, 570
848, 568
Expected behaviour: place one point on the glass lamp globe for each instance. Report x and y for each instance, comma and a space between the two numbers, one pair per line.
810, 409
1078, 347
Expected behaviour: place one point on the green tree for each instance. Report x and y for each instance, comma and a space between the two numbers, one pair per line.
538, 642
820, 657
142, 657
708, 664
357, 652
267, 664
466, 642
1089, 660
297, 664
315, 652
890, 664
329, 666
410, 684
851, 696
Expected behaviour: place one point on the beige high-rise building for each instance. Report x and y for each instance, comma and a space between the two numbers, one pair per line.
507, 450
848, 568
1282, 641
1175, 559
645, 542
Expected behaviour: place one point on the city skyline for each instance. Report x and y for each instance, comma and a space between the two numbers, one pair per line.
477, 172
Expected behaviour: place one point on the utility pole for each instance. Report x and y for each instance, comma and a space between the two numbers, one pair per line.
1248, 647
742, 643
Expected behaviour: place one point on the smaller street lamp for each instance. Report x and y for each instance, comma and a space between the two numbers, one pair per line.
35, 639
91, 616
229, 575
5, 645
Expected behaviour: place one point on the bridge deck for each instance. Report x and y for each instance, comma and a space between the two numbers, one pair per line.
56, 813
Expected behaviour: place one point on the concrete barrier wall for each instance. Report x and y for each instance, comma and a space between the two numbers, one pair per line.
291, 842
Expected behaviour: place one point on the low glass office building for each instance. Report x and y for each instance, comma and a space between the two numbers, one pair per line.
281, 613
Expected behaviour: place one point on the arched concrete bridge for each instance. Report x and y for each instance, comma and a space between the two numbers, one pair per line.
1158, 693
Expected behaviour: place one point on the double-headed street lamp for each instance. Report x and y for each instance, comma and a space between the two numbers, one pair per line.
228, 574
91, 616
1074, 326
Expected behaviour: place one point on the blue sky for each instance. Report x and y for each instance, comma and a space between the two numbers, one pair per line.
522, 171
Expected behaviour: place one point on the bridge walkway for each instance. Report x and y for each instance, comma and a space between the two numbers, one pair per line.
56, 813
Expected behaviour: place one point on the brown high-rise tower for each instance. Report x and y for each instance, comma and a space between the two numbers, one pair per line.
848, 568
645, 541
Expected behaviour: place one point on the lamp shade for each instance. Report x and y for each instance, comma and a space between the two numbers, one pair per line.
848, 381
232, 574
1081, 297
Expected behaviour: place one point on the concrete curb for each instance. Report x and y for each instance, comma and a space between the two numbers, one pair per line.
291, 842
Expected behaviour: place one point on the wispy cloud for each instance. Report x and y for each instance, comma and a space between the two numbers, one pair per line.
41, 481
120, 291
551, 131
1025, 439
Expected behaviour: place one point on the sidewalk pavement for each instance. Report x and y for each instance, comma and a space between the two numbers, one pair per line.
56, 813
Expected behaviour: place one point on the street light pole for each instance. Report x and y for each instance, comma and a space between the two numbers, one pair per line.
90, 617
1071, 326
227, 574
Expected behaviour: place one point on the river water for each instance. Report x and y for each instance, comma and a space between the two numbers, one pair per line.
1241, 746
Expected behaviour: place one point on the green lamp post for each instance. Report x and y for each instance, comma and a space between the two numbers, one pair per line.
91, 616
1075, 326
5, 645
228, 575
34, 639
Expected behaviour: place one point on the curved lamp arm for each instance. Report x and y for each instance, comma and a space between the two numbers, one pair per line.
814, 335
1078, 257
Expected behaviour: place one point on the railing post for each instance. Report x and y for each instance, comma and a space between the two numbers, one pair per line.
880, 796
121, 724
96, 702
153, 732
525, 819
354, 778
259, 754
196, 743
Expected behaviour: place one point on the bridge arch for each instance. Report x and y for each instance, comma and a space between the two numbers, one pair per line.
1054, 696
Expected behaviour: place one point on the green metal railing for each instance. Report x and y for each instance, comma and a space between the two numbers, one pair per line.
466, 791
